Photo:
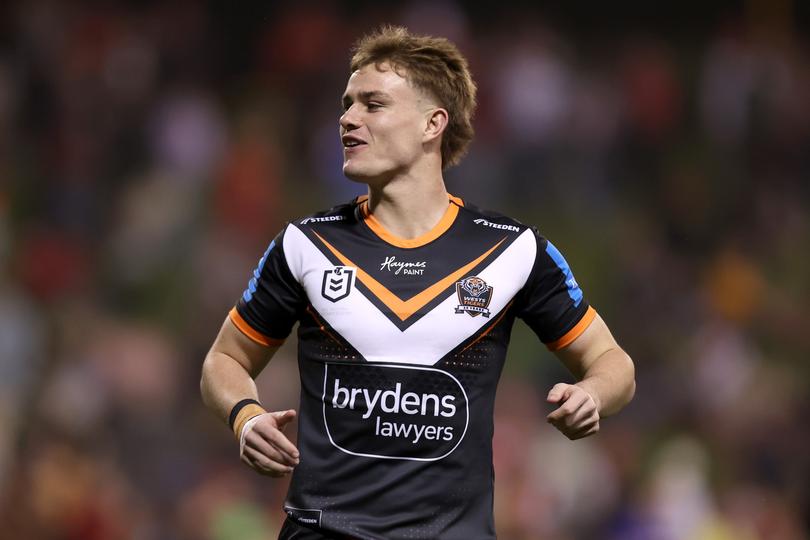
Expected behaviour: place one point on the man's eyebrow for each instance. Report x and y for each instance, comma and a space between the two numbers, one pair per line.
366, 96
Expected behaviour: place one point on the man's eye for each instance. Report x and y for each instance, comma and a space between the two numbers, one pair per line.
373, 106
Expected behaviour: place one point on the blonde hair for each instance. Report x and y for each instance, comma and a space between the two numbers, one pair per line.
434, 65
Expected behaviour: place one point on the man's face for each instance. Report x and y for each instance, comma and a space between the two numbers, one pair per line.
383, 124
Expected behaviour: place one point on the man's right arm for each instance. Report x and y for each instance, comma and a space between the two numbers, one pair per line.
228, 374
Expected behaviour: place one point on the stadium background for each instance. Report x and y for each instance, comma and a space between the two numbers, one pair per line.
150, 150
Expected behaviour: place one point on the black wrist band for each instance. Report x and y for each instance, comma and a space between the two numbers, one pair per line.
238, 407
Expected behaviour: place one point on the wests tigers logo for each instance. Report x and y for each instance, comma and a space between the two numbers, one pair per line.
474, 296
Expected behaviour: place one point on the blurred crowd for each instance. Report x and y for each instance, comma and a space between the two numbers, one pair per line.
149, 151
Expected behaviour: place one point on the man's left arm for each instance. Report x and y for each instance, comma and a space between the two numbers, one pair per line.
606, 384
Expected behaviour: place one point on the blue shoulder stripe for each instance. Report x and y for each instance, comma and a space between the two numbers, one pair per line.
248, 294
570, 282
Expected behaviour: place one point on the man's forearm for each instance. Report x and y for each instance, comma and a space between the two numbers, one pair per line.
610, 380
224, 382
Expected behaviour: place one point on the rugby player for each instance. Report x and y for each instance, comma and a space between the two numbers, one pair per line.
405, 300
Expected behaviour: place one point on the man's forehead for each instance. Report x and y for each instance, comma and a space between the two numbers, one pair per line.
377, 79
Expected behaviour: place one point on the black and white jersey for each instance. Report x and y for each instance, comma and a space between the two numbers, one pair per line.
401, 345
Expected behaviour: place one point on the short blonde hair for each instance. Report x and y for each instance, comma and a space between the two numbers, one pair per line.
434, 65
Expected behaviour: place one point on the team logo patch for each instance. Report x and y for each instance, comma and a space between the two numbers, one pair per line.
474, 296
337, 283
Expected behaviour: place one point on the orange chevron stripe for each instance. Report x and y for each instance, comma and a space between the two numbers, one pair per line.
405, 308
491, 326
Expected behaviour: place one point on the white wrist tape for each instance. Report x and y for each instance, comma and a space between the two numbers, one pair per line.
245, 429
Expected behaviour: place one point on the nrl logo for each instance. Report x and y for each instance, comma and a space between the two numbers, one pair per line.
337, 283
473, 295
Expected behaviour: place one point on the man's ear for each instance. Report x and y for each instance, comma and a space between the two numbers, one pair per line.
437, 120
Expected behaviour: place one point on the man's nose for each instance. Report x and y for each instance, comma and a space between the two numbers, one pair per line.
349, 119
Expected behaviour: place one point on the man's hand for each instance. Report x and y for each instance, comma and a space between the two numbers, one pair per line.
263, 445
578, 413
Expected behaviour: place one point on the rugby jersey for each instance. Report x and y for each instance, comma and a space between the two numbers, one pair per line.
401, 345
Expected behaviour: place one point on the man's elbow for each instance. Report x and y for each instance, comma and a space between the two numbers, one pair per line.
206, 379
623, 382
630, 391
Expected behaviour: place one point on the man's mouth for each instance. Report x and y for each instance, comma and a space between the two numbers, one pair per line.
352, 142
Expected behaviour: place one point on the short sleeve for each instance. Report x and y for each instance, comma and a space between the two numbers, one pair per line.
551, 302
273, 299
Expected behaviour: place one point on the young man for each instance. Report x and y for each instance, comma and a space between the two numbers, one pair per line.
405, 301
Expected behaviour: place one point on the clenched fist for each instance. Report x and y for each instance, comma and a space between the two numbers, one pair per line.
577, 415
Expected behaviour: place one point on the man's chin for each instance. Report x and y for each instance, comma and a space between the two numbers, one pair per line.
360, 176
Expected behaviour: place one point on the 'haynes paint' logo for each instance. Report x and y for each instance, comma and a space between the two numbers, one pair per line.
393, 411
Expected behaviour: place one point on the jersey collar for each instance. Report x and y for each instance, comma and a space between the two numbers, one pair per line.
439, 229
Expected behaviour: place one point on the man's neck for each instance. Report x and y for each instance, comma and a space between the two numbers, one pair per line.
409, 207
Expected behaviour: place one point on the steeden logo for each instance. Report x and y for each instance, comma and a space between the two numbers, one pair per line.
491, 225
322, 219
474, 296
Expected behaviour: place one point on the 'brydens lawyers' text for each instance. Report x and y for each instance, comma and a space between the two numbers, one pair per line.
393, 402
